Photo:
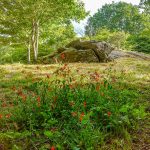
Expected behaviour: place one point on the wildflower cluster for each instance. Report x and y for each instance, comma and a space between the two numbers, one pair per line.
59, 109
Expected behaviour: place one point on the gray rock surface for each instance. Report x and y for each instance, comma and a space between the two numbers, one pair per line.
82, 51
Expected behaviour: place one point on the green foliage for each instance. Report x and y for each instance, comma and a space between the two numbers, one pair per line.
73, 115
118, 38
55, 36
145, 4
22, 22
102, 35
13, 55
118, 16
5, 53
140, 42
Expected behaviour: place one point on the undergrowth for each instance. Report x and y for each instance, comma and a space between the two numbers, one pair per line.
70, 112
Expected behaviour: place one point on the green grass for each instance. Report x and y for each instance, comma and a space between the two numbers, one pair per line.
105, 117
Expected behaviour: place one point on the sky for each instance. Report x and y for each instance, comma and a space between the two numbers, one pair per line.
93, 6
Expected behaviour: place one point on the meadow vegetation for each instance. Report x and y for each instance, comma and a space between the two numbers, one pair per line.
73, 106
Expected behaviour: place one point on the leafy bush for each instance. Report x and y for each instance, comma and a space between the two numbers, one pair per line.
13, 54
118, 38
71, 114
102, 35
140, 42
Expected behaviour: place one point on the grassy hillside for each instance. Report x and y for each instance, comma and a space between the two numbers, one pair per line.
120, 88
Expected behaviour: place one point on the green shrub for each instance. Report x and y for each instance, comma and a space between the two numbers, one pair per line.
140, 42
13, 54
102, 35
118, 39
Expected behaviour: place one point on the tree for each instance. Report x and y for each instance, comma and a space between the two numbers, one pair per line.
54, 36
22, 20
145, 4
119, 16
102, 35
118, 39
141, 41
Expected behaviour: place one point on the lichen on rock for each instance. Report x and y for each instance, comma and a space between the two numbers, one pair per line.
82, 51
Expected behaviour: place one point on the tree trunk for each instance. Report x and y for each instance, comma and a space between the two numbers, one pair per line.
35, 38
29, 54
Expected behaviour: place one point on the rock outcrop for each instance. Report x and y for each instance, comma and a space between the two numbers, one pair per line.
82, 51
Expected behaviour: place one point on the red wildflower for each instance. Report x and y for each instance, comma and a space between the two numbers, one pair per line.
52, 148
74, 114
39, 104
62, 55
102, 83
4, 105
102, 94
8, 116
81, 116
71, 86
84, 103
55, 98
64, 67
38, 99
19, 92
1, 116
97, 76
82, 113
97, 88
33, 80
109, 113
96, 73
23, 97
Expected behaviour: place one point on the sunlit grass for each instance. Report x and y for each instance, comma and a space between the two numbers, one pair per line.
136, 78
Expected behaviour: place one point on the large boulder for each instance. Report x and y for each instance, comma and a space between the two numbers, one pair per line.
82, 51
72, 55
